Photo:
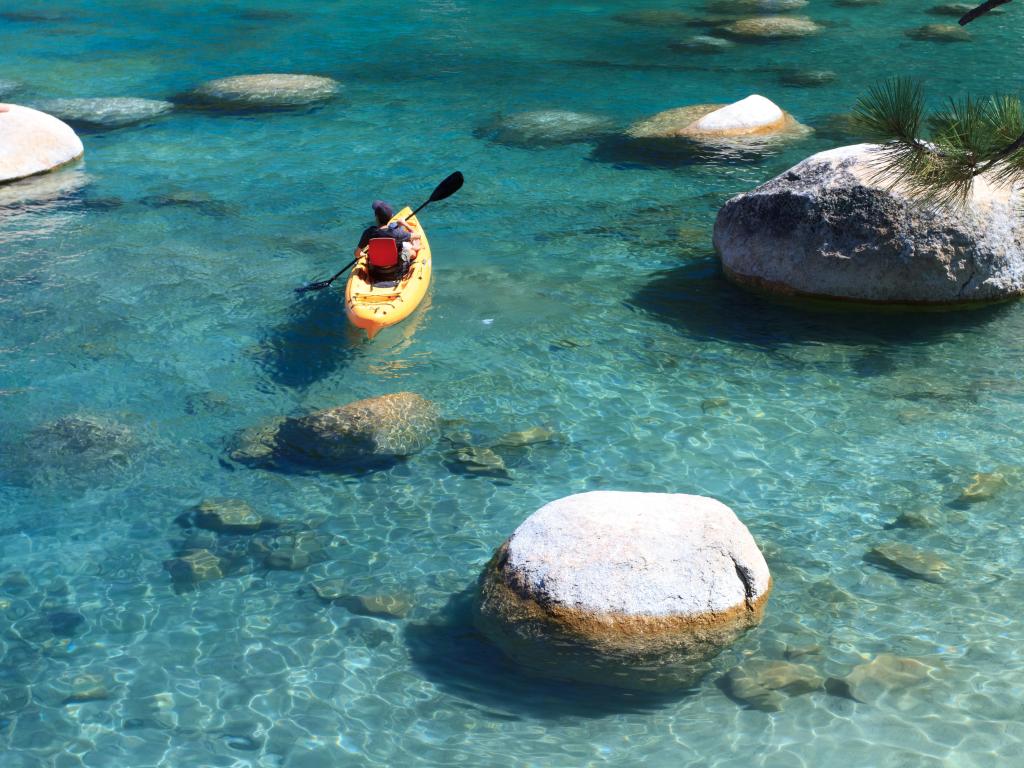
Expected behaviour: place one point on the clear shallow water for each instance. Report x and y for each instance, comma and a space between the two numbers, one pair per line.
574, 289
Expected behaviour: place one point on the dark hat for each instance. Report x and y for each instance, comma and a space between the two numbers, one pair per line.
382, 210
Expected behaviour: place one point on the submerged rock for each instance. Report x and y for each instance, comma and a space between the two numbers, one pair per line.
754, 6
526, 437
983, 486
74, 446
655, 18
546, 127
905, 560
940, 33
703, 44
33, 142
636, 590
773, 28
85, 688
384, 606
389, 426
270, 91
916, 519
808, 78
194, 567
765, 685
229, 516
8, 87
832, 227
885, 673
330, 590
476, 460
112, 112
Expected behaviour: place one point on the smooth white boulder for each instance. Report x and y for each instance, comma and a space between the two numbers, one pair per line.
34, 142
754, 114
832, 227
630, 589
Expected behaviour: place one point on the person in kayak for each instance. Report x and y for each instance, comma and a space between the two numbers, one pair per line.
401, 231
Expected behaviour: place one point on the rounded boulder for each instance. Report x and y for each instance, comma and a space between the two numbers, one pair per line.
269, 91
773, 27
33, 142
106, 112
635, 590
385, 427
833, 227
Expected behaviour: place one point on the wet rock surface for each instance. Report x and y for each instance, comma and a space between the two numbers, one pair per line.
884, 674
636, 590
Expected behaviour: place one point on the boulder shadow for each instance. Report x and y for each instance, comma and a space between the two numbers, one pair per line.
451, 652
697, 299
315, 341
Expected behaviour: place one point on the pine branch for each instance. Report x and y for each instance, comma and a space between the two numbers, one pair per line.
981, 10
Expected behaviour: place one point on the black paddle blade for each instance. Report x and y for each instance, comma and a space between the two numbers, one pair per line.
318, 285
448, 187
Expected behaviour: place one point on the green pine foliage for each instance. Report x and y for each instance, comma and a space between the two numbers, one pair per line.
937, 156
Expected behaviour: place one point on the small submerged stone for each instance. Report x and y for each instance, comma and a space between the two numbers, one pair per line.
754, 6
229, 516
703, 44
654, 18
546, 127
329, 590
905, 560
110, 112
886, 672
526, 437
266, 91
85, 688
808, 78
916, 519
384, 606
773, 28
8, 87
714, 403
765, 685
477, 460
940, 33
194, 567
983, 486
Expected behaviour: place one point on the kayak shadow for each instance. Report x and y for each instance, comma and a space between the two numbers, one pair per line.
450, 651
315, 341
697, 299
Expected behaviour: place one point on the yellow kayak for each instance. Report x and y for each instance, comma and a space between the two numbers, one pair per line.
372, 307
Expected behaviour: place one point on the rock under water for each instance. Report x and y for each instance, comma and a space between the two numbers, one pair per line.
111, 112
263, 92
384, 427
546, 127
634, 590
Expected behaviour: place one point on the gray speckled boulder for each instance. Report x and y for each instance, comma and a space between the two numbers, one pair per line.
33, 142
386, 427
828, 227
636, 590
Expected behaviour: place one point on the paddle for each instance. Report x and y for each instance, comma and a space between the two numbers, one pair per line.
446, 188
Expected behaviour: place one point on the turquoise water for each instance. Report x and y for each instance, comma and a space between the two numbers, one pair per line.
575, 288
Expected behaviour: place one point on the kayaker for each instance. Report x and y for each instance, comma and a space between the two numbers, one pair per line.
400, 231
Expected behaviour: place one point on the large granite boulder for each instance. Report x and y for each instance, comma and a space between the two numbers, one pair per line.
33, 142
635, 590
385, 427
264, 92
832, 227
